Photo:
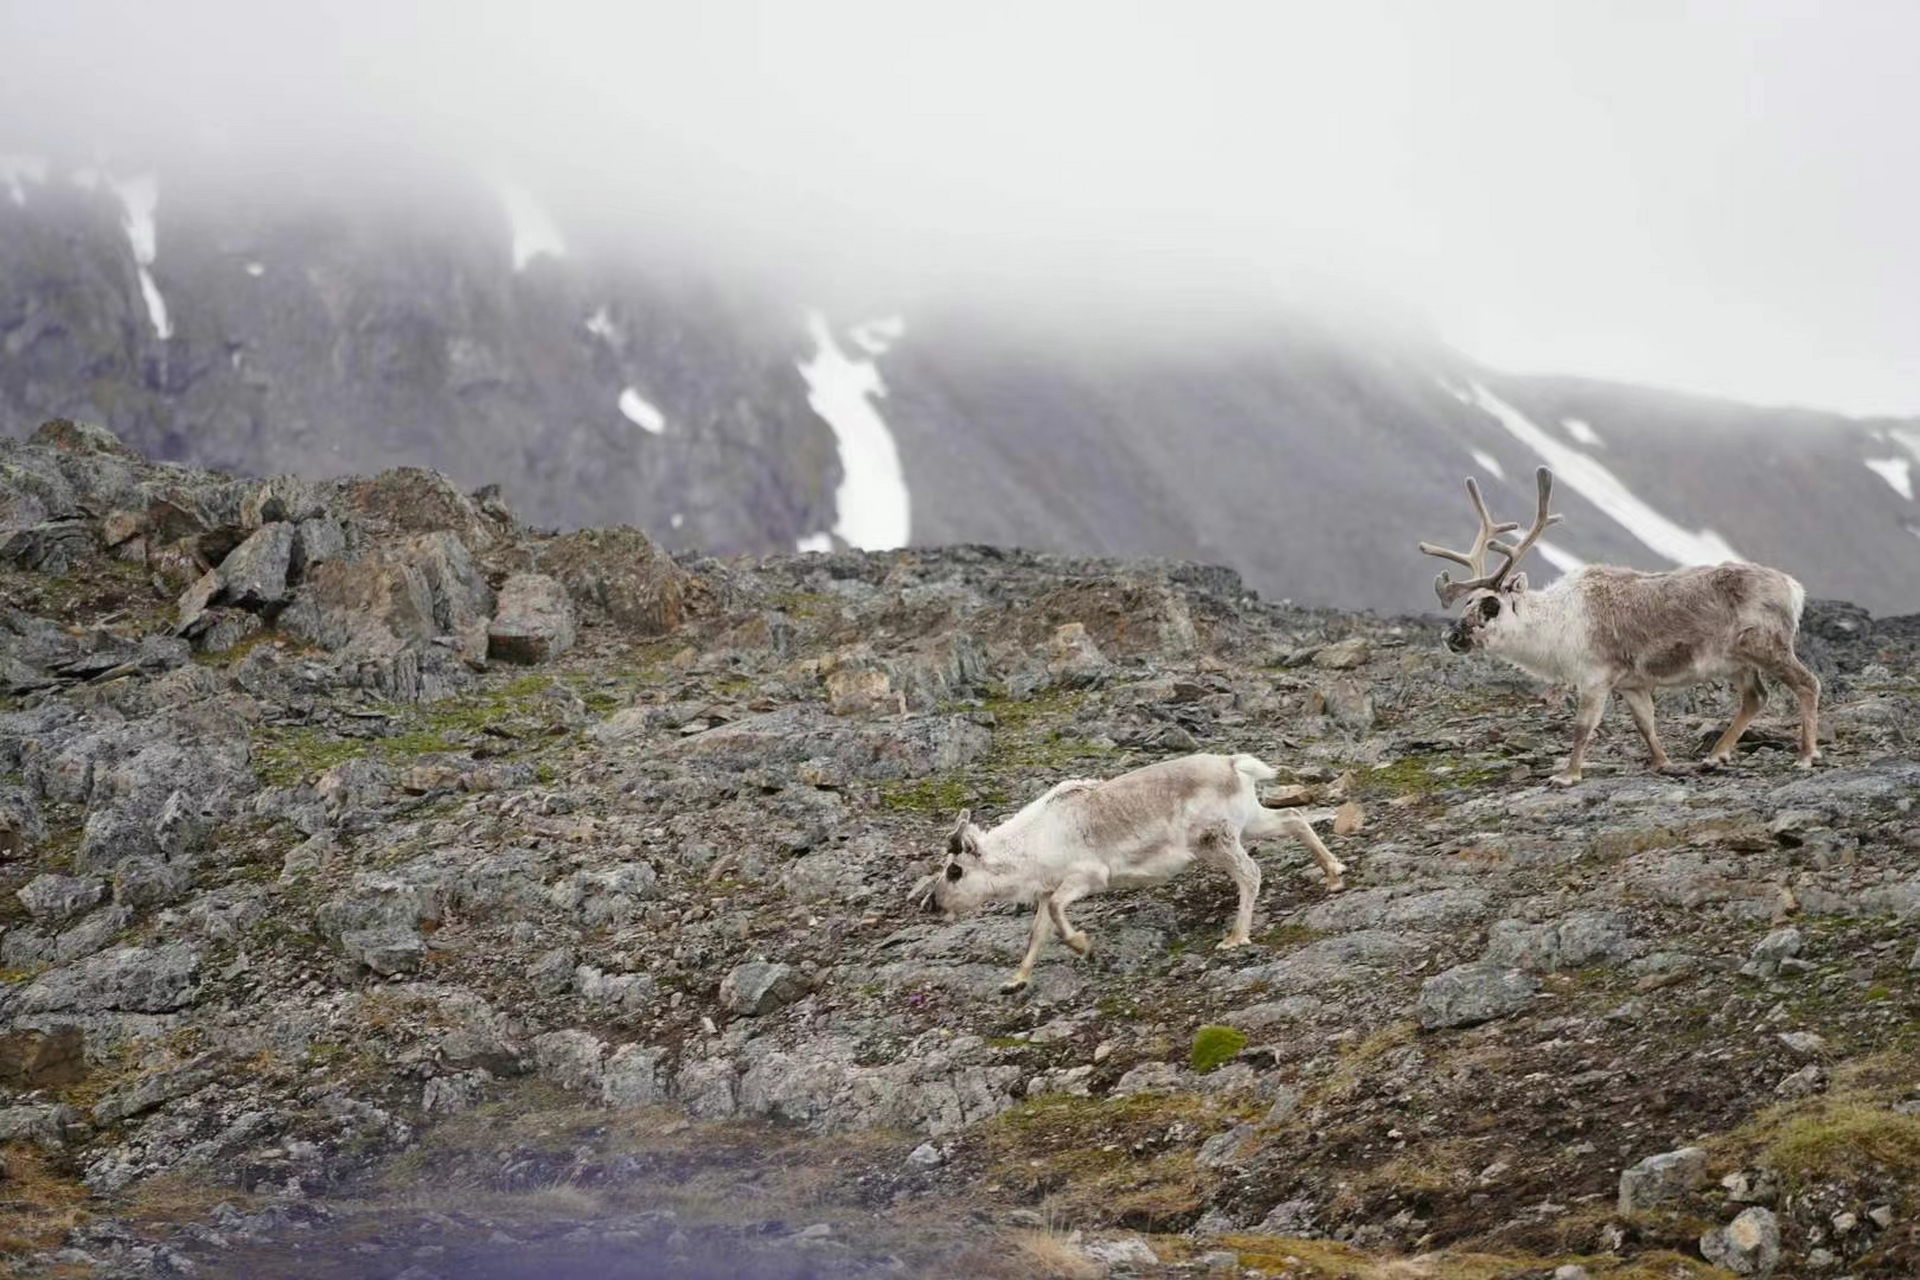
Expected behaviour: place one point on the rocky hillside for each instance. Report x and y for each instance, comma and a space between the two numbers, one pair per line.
395, 891
322, 325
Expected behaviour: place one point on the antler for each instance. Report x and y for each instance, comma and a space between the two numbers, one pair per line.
1475, 561
1543, 482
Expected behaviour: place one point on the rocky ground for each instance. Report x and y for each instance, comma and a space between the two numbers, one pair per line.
391, 890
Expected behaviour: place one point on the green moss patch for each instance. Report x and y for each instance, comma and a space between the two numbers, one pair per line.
1214, 1047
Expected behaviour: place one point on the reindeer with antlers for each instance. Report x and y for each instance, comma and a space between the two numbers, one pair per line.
1603, 630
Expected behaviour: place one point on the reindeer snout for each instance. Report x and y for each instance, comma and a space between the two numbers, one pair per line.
1459, 639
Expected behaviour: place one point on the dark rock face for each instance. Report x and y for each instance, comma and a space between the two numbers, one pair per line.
322, 333
324, 329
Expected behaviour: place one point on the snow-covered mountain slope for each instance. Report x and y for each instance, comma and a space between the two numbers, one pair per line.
324, 330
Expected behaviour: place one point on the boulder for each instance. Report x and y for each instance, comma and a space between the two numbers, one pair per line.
633, 1077
620, 576
533, 622
126, 980
54, 898
82, 438
383, 612
1472, 993
1570, 942
255, 572
571, 1059
388, 949
1662, 1178
758, 987
1747, 1246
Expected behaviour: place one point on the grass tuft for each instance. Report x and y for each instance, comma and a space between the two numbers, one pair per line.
1214, 1047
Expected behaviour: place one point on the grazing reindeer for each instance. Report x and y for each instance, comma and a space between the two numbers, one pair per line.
1602, 629
1143, 827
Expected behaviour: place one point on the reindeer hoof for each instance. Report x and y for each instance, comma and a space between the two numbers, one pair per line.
1672, 770
1806, 762
1013, 986
1230, 942
1716, 761
1079, 941
1563, 779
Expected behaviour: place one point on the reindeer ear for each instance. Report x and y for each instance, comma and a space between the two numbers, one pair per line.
960, 823
1517, 584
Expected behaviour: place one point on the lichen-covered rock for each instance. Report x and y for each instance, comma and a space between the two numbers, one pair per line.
385, 610
254, 573
82, 438
414, 500
758, 987
126, 979
1472, 993
54, 898
1577, 939
388, 949
571, 1059
1773, 951
1662, 1178
633, 1077
621, 576
533, 622
626, 992
1747, 1246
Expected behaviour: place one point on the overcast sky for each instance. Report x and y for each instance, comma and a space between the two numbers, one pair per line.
1715, 196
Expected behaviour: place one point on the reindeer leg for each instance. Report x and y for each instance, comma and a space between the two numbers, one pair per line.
1268, 823
1806, 688
1035, 940
1220, 847
1640, 704
1593, 704
1057, 903
1753, 696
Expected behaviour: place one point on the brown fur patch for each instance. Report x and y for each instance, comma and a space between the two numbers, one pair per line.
1668, 661
1120, 808
1657, 622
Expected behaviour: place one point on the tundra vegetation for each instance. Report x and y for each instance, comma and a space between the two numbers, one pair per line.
365, 913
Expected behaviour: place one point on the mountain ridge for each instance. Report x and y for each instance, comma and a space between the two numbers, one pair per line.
346, 331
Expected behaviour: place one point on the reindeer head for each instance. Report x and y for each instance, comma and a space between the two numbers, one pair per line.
958, 885
1495, 602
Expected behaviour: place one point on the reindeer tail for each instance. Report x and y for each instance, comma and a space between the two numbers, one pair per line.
1253, 768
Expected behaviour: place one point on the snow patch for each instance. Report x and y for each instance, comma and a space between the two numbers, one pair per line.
1582, 432
534, 230
1594, 482
876, 337
872, 500
1897, 472
1487, 462
600, 325
256, 269
139, 197
820, 542
16, 171
156, 306
640, 413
